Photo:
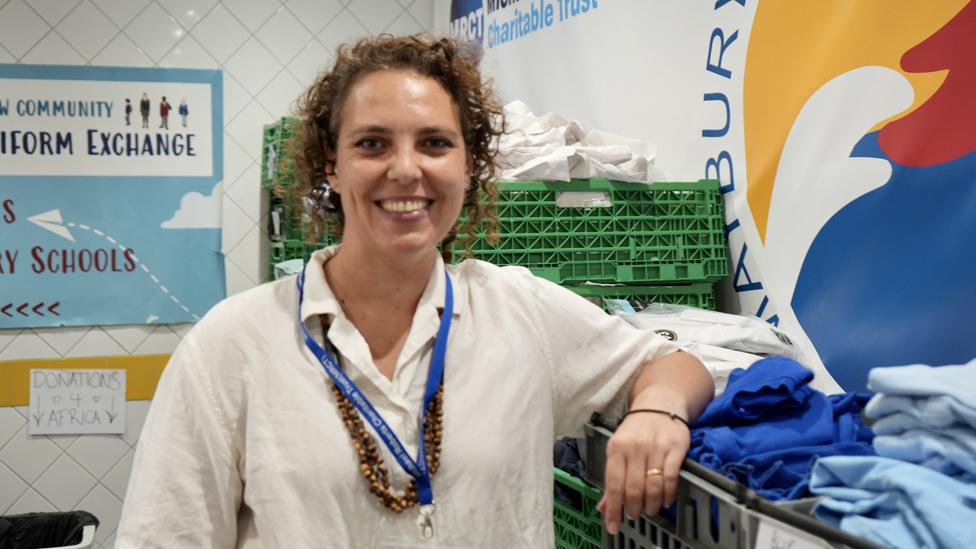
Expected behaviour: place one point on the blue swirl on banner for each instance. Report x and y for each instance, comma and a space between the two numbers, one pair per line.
906, 292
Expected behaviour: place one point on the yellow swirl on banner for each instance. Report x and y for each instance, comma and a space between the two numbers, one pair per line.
798, 46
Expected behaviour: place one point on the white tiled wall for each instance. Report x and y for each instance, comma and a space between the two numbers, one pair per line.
269, 50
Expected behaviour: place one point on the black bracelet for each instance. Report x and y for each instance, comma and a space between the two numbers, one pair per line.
671, 415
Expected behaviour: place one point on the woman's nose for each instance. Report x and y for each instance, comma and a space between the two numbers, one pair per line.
404, 166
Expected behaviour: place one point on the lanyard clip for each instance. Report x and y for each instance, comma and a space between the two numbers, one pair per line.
425, 521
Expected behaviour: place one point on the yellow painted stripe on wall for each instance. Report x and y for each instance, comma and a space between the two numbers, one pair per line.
141, 374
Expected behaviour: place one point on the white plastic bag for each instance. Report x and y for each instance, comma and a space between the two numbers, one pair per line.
681, 323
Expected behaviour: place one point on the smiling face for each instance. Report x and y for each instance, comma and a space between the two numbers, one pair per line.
401, 166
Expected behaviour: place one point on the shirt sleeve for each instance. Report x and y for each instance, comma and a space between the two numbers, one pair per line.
185, 488
595, 357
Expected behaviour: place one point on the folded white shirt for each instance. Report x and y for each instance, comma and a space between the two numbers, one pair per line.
718, 361
549, 147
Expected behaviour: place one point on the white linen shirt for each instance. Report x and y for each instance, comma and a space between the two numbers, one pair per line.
244, 446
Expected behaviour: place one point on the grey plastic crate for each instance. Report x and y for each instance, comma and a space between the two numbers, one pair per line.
706, 517
713, 512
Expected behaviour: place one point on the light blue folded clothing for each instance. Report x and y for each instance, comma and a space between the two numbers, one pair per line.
950, 451
958, 382
899, 422
934, 412
895, 503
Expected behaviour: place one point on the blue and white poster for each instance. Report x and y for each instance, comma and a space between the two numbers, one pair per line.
109, 195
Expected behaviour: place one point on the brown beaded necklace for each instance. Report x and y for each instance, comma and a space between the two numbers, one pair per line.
371, 462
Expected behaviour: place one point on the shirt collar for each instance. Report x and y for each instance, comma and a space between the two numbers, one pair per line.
319, 299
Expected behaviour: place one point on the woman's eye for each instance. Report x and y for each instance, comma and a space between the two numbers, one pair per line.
369, 143
439, 143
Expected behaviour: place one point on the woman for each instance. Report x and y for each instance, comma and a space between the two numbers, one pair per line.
256, 439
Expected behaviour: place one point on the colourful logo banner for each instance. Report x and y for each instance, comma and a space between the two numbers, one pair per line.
841, 133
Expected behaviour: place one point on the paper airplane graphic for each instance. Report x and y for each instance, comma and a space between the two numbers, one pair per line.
51, 220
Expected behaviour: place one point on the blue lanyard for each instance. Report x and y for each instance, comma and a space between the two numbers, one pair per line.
415, 468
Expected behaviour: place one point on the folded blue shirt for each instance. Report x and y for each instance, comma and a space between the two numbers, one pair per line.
926, 416
949, 451
932, 411
958, 382
895, 503
785, 474
771, 386
769, 425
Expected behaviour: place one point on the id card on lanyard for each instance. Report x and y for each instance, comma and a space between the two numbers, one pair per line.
416, 468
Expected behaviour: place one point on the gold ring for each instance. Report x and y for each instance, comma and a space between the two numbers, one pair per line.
653, 472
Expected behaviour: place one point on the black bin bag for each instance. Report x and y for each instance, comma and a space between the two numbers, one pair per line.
35, 530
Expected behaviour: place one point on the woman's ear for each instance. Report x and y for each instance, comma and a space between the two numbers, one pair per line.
330, 175
330, 171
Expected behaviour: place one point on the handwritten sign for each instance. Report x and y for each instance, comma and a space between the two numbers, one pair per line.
774, 536
77, 402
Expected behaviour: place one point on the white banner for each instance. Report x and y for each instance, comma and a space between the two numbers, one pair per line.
80, 128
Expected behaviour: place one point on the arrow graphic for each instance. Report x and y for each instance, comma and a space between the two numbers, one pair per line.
112, 415
142, 265
51, 220
38, 309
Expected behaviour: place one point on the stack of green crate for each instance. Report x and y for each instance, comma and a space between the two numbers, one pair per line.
286, 219
608, 240
275, 169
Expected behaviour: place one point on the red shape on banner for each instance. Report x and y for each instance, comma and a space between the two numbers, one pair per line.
36, 307
943, 128
7, 308
21, 309
51, 308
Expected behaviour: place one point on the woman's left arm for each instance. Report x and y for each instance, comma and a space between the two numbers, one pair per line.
645, 454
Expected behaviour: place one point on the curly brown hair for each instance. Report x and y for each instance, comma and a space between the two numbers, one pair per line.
455, 66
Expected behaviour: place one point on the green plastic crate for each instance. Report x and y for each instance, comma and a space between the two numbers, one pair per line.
292, 249
274, 168
577, 528
699, 295
596, 230
292, 220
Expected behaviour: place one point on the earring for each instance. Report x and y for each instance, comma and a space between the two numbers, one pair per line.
317, 199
